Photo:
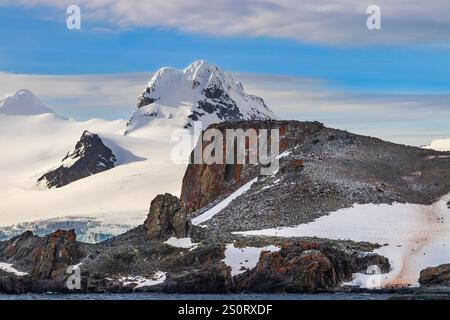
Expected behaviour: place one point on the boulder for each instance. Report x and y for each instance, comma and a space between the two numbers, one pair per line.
435, 276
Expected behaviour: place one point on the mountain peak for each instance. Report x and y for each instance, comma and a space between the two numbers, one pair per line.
89, 157
200, 92
22, 102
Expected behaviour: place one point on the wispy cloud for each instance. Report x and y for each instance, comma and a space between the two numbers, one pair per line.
325, 22
407, 118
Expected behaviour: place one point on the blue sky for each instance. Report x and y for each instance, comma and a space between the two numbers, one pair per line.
35, 41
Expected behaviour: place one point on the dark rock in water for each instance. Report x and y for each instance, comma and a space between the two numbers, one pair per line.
305, 267
166, 218
435, 276
90, 156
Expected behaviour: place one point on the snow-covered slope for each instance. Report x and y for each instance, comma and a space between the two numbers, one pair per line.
22, 102
98, 206
201, 92
439, 145
113, 201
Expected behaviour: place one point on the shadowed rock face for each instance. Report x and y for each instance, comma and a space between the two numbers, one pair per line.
166, 218
306, 267
436, 276
90, 156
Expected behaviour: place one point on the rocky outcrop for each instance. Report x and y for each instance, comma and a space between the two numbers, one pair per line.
203, 183
435, 276
213, 279
305, 267
90, 156
212, 95
166, 218
43, 258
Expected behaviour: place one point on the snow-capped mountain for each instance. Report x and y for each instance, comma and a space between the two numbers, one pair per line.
201, 92
22, 102
90, 156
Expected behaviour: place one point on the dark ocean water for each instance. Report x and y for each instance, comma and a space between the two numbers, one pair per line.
153, 296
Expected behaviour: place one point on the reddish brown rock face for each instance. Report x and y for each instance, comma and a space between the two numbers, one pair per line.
305, 267
204, 183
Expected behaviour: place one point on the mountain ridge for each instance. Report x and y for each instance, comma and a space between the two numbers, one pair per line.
23, 102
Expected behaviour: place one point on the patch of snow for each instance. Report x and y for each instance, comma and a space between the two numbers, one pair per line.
185, 243
414, 237
176, 95
223, 204
243, 259
142, 282
284, 154
7, 267
439, 145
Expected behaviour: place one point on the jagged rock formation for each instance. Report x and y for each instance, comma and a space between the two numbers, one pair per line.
321, 170
436, 276
89, 157
201, 92
166, 218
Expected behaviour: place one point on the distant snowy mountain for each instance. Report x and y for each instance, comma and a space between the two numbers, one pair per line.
439, 145
22, 102
201, 92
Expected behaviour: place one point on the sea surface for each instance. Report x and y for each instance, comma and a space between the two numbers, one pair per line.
191, 297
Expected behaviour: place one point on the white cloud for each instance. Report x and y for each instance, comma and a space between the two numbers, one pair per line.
81, 96
325, 21
407, 118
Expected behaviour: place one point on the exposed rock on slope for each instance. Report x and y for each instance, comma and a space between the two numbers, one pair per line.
166, 218
436, 276
201, 92
202, 184
24, 103
90, 156
322, 170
